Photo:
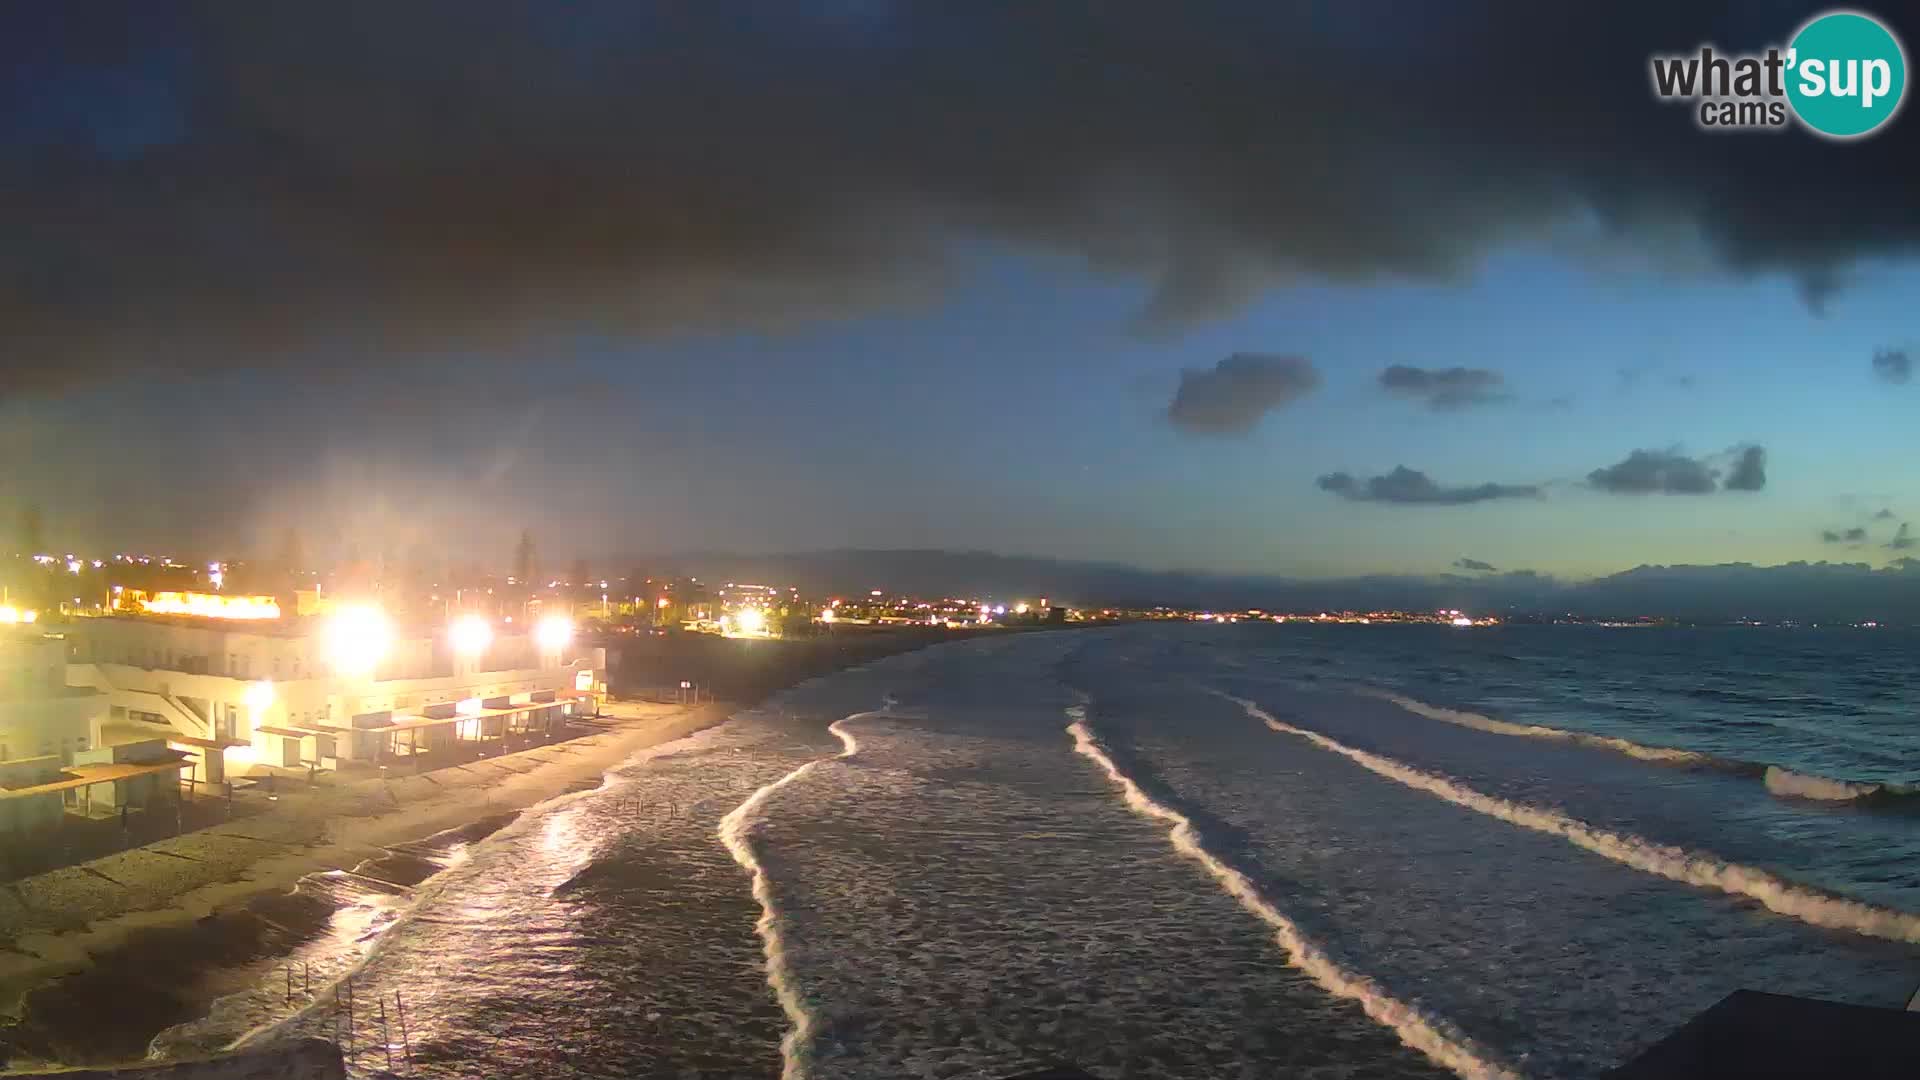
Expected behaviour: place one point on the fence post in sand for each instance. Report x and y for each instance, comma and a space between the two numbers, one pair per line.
289, 982
386, 1034
406, 1040
306, 977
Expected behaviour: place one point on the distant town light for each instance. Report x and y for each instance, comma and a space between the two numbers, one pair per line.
1020, 609
1462, 620
751, 620
470, 635
73, 566
664, 602
827, 615
876, 592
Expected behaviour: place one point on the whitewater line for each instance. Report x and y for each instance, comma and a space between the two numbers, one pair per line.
735, 832
1665, 755
1449, 1048
1663, 860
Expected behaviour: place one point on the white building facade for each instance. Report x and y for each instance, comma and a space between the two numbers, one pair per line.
238, 694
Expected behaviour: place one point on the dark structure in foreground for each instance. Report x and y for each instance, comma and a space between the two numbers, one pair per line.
1754, 1036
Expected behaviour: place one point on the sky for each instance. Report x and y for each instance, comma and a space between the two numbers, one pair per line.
1305, 290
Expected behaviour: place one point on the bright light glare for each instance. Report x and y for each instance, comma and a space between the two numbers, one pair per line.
209, 606
827, 615
1020, 609
358, 638
664, 601
553, 632
470, 635
1462, 620
9, 614
259, 696
751, 620
73, 566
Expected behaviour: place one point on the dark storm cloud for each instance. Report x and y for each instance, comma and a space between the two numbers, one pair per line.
1411, 487
201, 185
1903, 538
1849, 536
1474, 565
1884, 515
1232, 397
1669, 472
1749, 471
1893, 365
1444, 389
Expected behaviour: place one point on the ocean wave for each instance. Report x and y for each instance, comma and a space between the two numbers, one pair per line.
1431, 1036
736, 831
1810, 905
1665, 755
1781, 782
1794, 785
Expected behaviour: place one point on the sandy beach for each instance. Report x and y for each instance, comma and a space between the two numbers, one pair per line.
96, 959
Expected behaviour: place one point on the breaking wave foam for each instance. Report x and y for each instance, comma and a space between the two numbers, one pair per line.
736, 830
1432, 1037
1665, 755
1792, 785
1784, 783
1782, 897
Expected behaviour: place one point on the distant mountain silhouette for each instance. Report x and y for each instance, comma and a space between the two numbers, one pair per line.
1798, 590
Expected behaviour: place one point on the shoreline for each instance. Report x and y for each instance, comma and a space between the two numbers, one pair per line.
185, 919
235, 895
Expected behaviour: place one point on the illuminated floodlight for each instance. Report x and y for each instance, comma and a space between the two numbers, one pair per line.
751, 620
73, 566
358, 638
827, 615
470, 635
1020, 609
467, 706
9, 614
553, 632
663, 602
259, 696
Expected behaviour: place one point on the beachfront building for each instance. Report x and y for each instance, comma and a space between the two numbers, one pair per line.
317, 693
55, 757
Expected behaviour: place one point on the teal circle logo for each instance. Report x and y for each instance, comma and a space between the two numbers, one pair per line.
1846, 74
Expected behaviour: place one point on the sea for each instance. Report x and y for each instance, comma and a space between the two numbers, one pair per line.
1169, 850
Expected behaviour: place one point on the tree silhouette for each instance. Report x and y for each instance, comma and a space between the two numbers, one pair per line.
291, 559
30, 530
523, 560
